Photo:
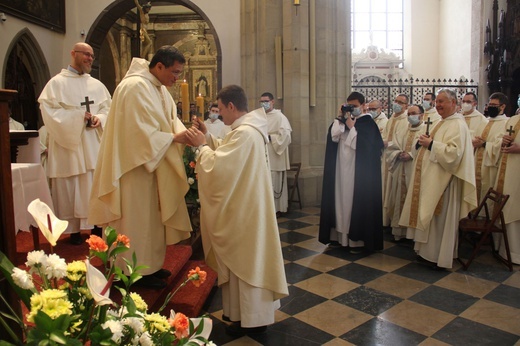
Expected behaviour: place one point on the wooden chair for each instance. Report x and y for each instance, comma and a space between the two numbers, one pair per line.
477, 230
293, 174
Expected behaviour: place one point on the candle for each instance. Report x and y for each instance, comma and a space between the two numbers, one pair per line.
200, 105
185, 97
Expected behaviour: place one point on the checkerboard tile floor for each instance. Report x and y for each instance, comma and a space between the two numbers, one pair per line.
386, 298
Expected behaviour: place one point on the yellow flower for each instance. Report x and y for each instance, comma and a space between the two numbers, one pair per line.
140, 304
53, 302
76, 270
156, 322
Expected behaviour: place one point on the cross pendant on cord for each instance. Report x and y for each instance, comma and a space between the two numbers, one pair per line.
428, 123
87, 104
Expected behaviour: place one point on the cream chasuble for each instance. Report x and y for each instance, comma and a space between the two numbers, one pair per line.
381, 122
140, 181
441, 191
400, 172
474, 120
508, 183
238, 220
487, 158
396, 127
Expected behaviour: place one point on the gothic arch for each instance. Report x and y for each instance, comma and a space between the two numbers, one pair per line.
28, 74
106, 19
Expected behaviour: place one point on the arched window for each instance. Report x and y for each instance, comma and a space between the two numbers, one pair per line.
377, 23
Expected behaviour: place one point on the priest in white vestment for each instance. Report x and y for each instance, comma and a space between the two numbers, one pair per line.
399, 159
74, 108
487, 157
140, 181
375, 110
397, 123
431, 117
214, 125
442, 187
472, 116
508, 182
238, 219
279, 131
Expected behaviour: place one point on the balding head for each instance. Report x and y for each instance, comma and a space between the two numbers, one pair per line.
82, 56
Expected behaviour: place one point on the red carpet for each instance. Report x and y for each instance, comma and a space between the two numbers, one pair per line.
189, 300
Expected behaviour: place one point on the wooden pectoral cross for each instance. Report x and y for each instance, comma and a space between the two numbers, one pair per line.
510, 131
87, 104
428, 123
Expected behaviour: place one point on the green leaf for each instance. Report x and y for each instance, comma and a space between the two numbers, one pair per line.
111, 235
58, 337
117, 250
44, 322
6, 267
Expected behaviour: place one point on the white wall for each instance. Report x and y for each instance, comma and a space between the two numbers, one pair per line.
422, 38
454, 47
81, 15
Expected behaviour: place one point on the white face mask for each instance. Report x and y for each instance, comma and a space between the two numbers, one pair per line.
213, 116
414, 119
467, 107
426, 104
266, 105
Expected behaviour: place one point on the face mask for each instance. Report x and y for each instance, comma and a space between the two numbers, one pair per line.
266, 105
518, 102
466, 107
356, 112
374, 114
213, 116
397, 108
493, 111
426, 105
414, 119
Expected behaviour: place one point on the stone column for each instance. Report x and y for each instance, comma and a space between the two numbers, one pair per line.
125, 48
263, 20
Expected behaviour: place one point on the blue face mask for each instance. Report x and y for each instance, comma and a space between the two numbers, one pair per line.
266, 105
397, 108
356, 112
518, 102
426, 105
374, 114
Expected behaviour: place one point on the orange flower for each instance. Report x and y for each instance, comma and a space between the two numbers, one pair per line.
192, 164
181, 324
121, 238
197, 276
97, 244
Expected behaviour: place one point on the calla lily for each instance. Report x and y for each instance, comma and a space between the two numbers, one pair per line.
41, 214
98, 285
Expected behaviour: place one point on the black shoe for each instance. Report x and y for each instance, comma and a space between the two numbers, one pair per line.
75, 239
97, 231
150, 281
162, 273
234, 329
226, 318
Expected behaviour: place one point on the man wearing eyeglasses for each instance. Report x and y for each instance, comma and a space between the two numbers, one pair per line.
375, 110
472, 116
140, 181
396, 126
74, 108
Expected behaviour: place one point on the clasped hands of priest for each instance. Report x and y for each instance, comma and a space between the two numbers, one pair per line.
195, 135
91, 120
